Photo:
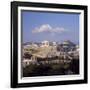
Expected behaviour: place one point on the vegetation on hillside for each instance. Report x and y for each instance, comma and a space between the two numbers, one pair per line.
51, 69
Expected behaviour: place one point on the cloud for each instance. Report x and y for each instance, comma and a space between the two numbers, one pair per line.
49, 29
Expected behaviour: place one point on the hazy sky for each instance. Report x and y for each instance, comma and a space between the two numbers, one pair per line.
39, 26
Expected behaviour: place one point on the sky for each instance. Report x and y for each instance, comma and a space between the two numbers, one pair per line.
58, 27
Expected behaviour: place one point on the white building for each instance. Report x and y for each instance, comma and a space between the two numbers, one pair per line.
77, 47
45, 44
54, 44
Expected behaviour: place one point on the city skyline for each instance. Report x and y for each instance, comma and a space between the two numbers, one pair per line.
58, 27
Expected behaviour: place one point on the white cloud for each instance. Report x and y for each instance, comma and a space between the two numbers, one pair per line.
49, 29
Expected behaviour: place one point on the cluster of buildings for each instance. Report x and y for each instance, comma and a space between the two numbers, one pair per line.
49, 52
